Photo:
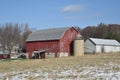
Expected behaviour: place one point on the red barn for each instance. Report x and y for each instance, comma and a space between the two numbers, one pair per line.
57, 41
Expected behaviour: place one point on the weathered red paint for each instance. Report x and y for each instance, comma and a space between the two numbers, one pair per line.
7, 56
56, 46
66, 40
1, 56
50, 46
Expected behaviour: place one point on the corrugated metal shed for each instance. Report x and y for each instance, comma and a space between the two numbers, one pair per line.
47, 34
110, 42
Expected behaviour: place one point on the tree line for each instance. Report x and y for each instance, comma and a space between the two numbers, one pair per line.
16, 34
12, 35
104, 31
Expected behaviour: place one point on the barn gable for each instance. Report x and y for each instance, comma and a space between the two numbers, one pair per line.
89, 46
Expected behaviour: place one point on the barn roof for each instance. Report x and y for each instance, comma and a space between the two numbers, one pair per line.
98, 41
47, 34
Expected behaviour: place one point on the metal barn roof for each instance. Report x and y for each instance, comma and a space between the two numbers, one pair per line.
111, 42
47, 34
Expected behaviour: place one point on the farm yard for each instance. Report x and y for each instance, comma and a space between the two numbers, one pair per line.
87, 67
60, 40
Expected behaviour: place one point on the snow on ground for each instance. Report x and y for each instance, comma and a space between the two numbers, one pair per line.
108, 71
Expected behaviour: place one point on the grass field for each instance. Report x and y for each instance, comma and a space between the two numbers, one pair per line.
88, 67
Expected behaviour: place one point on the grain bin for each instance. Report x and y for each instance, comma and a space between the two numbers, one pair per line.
78, 46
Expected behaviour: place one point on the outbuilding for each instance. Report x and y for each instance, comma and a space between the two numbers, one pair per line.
55, 42
96, 45
4, 55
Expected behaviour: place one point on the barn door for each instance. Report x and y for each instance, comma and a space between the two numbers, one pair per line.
102, 49
71, 48
42, 55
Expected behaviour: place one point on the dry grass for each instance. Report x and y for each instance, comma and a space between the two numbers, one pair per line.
86, 60
58, 65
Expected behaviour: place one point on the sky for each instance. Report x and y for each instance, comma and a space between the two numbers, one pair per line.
44, 14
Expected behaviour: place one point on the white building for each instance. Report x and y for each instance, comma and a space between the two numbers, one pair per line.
95, 45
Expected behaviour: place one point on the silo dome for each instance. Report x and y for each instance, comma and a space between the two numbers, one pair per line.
79, 37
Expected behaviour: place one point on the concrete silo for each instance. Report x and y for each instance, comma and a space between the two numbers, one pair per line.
78, 46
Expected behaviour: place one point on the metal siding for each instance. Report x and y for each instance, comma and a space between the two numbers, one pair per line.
101, 48
67, 38
117, 49
107, 49
89, 46
98, 49
111, 49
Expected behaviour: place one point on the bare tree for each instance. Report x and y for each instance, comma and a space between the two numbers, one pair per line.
111, 31
13, 35
89, 32
24, 35
10, 36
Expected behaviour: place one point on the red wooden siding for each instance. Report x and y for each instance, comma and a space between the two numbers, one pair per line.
66, 40
1, 56
6, 56
50, 46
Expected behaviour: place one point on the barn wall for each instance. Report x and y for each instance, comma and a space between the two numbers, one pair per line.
66, 40
50, 46
99, 49
102, 49
106, 49
111, 49
117, 48
61, 47
89, 47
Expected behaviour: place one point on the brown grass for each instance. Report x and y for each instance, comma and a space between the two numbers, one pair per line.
59, 63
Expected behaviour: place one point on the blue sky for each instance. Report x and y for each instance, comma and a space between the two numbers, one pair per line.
42, 14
